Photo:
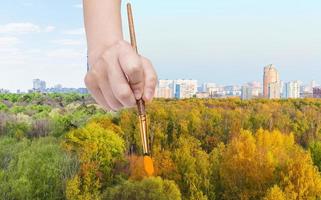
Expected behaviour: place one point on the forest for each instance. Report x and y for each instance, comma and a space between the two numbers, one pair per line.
64, 146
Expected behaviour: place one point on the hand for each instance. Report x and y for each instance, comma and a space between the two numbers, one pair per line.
119, 77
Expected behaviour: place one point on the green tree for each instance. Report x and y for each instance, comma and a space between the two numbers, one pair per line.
147, 189
34, 170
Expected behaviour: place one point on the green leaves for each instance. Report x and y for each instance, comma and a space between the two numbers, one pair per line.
34, 169
147, 189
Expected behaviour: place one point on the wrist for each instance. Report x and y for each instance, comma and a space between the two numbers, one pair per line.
95, 53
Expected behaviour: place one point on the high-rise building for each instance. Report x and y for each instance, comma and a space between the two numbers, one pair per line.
165, 89
271, 82
4, 91
185, 88
177, 91
206, 87
291, 89
39, 85
164, 92
317, 92
246, 92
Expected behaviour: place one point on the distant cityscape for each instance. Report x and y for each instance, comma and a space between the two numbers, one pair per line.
271, 87
41, 87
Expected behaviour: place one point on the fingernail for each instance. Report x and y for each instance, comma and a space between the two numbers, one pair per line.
149, 94
137, 94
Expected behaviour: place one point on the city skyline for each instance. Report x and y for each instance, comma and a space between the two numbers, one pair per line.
228, 41
199, 83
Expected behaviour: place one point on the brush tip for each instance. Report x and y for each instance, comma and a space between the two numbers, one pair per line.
148, 165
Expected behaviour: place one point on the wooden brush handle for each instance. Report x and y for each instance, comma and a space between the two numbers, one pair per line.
140, 102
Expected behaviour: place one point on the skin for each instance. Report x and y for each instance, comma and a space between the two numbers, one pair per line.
118, 76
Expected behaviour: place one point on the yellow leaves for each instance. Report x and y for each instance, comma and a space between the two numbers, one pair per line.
245, 170
97, 149
72, 188
275, 193
300, 179
251, 164
137, 171
164, 166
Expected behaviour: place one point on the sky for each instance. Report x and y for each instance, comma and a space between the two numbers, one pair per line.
221, 41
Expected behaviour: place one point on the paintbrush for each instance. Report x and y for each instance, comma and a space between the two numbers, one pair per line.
148, 162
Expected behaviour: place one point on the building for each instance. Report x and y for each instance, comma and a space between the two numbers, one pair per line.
184, 88
246, 92
206, 87
4, 91
202, 95
291, 90
214, 90
256, 88
232, 91
271, 82
164, 92
39, 85
317, 92
165, 89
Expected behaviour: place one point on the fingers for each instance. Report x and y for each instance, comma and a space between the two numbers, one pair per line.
131, 64
120, 76
95, 91
103, 83
119, 83
150, 79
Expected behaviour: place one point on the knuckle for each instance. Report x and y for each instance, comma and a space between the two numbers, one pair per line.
88, 79
107, 56
135, 66
152, 80
123, 94
146, 60
122, 43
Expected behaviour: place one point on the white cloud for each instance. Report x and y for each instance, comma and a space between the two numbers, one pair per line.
49, 28
8, 41
69, 42
24, 27
65, 53
78, 31
78, 6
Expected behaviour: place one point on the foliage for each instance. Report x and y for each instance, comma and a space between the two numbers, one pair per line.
315, 149
201, 148
275, 193
147, 189
252, 164
98, 149
34, 169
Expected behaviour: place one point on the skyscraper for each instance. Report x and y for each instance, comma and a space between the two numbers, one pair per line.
291, 90
39, 85
317, 92
271, 82
246, 92
165, 89
185, 88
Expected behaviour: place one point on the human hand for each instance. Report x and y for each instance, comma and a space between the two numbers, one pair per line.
119, 76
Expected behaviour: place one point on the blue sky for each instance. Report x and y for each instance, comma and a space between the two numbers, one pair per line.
222, 41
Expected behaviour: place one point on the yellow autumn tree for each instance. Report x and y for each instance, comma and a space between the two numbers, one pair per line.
300, 178
246, 173
97, 149
251, 165
275, 193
